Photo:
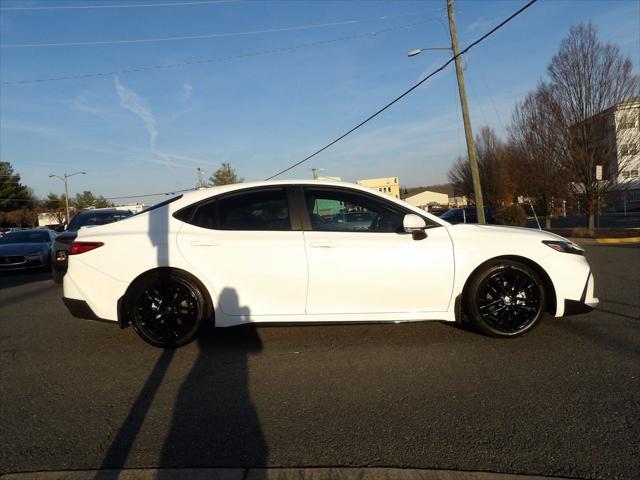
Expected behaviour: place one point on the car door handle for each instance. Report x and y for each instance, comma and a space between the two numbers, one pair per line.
323, 244
203, 243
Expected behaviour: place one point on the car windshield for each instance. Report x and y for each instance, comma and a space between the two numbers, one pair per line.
26, 237
83, 219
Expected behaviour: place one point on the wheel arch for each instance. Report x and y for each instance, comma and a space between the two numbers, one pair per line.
552, 302
122, 301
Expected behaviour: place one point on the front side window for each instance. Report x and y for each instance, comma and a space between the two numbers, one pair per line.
343, 211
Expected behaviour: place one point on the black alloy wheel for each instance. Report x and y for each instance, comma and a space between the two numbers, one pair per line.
166, 309
506, 299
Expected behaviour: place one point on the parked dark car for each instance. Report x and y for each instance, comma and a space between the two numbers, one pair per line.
26, 249
467, 215
60, 251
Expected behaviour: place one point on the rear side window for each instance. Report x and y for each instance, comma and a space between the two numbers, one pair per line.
264, 209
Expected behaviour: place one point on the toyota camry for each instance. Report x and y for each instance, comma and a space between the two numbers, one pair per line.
316, 251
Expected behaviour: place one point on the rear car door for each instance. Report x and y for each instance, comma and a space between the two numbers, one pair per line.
245, 245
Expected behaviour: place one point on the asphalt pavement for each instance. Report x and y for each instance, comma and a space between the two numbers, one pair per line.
564, 400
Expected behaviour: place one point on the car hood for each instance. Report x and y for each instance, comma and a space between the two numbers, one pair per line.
22, 248
504, 231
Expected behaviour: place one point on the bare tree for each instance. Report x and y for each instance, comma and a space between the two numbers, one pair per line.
495, 164
536, 143
459, 176
496, 170
587, 77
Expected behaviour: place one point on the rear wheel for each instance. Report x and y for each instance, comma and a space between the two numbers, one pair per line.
505, 299
166, 309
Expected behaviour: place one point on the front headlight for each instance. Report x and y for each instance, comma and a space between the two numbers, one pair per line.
564, 246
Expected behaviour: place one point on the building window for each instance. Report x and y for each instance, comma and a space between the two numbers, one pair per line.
628, 149
634, 173
627, 122
624, 174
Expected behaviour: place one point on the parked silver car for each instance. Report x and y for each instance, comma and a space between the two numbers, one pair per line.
26, 249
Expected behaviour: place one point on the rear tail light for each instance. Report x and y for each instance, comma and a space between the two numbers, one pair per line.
81, 247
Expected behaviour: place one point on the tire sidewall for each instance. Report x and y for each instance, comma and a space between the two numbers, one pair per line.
142, 284
476, 282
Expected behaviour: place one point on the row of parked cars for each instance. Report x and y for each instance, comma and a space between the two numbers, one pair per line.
43, 249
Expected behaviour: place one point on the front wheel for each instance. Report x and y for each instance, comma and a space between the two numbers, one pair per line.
166, 309
505, 299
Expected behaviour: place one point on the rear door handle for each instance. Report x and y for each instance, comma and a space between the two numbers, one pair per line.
328, 244
203, 243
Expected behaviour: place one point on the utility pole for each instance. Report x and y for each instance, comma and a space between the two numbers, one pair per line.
66, 190
314, 172
468, 133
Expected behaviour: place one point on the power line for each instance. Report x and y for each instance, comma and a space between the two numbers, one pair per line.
140, 5
212, 35
407, 92
146, 68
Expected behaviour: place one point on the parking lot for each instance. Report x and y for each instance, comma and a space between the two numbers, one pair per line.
563, 400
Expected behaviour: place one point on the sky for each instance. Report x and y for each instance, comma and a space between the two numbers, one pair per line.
265, 84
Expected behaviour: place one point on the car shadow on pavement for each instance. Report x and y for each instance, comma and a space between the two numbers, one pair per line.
15, 279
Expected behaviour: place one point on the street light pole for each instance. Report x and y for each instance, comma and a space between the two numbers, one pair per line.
468, 133
66, 190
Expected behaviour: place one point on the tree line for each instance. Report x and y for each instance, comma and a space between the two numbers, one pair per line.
19, 206
557, 134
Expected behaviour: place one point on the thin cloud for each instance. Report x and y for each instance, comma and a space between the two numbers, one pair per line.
129, 100
187, 90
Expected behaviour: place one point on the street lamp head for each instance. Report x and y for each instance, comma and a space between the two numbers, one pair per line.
51, 175
415, 52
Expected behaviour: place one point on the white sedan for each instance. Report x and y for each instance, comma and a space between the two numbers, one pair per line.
315, 251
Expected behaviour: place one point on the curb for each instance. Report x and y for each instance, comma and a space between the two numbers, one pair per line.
618, 240
270, 474
606, 241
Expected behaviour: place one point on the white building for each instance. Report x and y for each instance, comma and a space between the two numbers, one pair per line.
616, 135
388, 185
425, 199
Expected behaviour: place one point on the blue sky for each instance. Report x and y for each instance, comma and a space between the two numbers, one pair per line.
142, 132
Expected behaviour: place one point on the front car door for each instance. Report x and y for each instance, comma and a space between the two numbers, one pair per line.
244, 244
361, 261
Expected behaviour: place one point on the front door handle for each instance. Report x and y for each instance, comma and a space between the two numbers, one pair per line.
203, 243
328, 244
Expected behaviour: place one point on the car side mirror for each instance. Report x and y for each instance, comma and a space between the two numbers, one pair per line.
414, 225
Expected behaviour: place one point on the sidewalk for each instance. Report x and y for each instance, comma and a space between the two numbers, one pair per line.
270, 474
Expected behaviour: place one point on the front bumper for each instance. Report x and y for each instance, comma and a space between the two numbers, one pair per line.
587, 300
21, 262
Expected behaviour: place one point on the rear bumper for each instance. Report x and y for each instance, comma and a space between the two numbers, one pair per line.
81, 309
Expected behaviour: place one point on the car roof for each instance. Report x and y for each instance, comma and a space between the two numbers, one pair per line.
204, 193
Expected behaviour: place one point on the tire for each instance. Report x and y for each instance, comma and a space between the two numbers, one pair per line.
57, 275
166, 309
505, 299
